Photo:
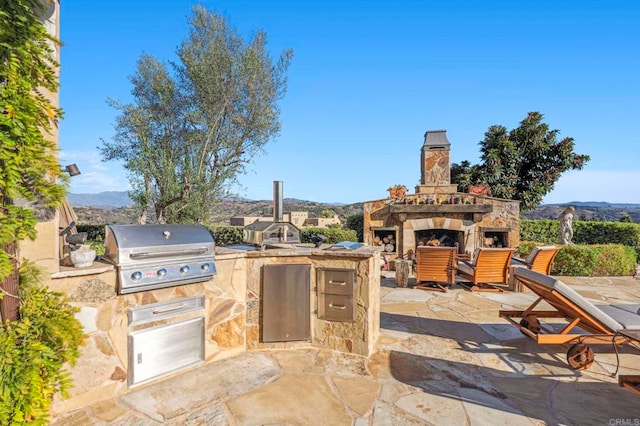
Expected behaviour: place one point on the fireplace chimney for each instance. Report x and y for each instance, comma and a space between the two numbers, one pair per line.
435, 164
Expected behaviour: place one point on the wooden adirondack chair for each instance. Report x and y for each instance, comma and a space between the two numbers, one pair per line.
488, 266
540, 259
435, 267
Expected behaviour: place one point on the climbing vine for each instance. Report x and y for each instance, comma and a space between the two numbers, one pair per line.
29, 168
34, 350
45, 336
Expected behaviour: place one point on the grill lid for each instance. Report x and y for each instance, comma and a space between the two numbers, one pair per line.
140, 243
157, 256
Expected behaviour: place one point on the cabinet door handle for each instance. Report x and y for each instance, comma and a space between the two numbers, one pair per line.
337, 282
169, 309
339, 307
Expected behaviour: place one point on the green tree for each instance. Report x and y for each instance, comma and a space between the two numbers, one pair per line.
626, 218
356, 223
327, 213
464, 174
196, 124
29, 168
522, 164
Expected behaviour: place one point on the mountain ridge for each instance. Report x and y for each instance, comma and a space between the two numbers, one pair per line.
117, 207
121, 199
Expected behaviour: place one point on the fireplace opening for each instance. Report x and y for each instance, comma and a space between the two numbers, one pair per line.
495, 237
440, 237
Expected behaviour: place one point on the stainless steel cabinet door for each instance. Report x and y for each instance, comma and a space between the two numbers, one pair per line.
286, 311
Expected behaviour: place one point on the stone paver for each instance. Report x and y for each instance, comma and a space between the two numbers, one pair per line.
442, 358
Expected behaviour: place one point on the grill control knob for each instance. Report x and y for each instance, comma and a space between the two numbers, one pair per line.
161, 272
205, 267
184, 269
136, 276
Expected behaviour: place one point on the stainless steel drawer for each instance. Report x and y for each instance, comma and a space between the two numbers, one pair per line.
336, 281
158, 351
162, 310
335, 307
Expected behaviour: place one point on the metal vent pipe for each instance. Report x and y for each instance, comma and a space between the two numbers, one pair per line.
277, 201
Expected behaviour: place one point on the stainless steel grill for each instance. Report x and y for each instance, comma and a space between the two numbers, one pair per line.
148, 257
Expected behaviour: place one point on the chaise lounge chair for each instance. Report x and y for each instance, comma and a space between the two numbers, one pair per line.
595, 324
489, 265
435, 266
539, 259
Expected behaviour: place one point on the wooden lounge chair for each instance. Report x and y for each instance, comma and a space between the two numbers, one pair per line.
595, 324
435, 266
539, 259
489, 265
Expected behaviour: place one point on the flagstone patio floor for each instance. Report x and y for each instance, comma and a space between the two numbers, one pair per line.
442, 359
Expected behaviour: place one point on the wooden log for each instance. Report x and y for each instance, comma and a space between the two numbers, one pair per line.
402, 272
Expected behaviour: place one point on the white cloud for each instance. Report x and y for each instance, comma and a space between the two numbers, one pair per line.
596, 185
95, 175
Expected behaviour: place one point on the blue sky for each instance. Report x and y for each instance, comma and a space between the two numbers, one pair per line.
369, 78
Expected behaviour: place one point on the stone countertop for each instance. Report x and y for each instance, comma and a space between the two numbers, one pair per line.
283, 250
98, 267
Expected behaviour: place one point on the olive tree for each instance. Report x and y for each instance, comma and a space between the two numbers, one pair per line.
195, 124
521, 164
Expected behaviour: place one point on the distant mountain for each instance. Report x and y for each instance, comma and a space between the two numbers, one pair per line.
106, 200
116, 207
602, 204
589, 210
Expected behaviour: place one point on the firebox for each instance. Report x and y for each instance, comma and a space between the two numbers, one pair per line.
494, 237
439, 237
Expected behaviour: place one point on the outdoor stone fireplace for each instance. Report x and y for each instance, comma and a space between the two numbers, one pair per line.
437, 214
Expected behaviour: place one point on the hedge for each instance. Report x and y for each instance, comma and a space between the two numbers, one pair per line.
587, 233
592, 260
600, 249
227, 235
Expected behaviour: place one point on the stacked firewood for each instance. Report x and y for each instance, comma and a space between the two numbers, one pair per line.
388, 243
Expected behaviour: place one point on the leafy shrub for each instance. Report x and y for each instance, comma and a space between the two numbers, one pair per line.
34, 350
227, 235
334, 235
544, 230
547, 231
94, 232
589, 260
356, 222
607, 233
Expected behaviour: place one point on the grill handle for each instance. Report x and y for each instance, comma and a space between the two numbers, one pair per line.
161, 254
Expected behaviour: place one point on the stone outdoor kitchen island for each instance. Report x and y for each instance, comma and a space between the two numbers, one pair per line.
230, 308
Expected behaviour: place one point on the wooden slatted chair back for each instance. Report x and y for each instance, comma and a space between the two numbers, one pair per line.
492, 265
435, 264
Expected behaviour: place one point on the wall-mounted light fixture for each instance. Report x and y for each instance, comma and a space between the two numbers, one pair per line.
72, 169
